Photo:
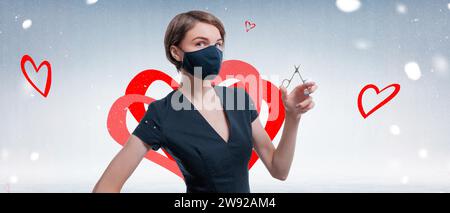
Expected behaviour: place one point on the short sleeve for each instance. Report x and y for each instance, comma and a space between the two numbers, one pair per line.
253, 112
149, 128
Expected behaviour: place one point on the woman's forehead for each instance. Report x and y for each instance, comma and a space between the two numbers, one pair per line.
203, 30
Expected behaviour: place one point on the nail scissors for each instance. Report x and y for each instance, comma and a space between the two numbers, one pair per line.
306, 92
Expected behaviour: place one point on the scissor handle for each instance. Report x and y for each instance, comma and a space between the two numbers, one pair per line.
289, 80
285, 80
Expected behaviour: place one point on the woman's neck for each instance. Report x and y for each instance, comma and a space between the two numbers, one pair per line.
195, 88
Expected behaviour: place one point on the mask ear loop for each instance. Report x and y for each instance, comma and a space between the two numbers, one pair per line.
182, 61
182, 58
181, 66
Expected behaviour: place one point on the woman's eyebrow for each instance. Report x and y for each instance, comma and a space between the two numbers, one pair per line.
200, 37
204, 38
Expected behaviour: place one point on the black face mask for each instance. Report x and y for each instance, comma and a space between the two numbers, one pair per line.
207, 60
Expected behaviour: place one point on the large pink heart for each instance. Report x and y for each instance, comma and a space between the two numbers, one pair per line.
135, 98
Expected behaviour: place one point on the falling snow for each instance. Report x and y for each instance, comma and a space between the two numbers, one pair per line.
423, 153
4, 154
401, 8
394, 129
362, 44
27, 24
415, 20
405, 180
90, 2
348, 6
34, 156
13, 179
440, 63
412, 70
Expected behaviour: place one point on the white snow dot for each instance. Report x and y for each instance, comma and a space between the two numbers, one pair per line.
412, 70
348, 6
423, 153
448, 6
98, 107
440, 63
89, 2
27, 24
405, 180
395, 130
362, 44
13, 179
401, 8
34, 156
4, 154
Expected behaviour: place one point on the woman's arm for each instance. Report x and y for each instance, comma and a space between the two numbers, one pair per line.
122, 166
278, 160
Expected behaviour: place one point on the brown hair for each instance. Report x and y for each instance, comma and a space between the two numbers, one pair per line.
183, 22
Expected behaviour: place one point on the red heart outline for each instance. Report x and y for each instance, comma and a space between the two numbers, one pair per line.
386, 100
27, 58
119, 132
249, 25
135, 98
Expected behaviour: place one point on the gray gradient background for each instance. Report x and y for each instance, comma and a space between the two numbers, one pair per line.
95, 50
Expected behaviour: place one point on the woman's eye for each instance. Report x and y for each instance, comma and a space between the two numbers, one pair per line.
200, 44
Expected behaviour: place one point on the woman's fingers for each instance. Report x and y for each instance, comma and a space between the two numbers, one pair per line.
312, 88
309, 86
304, 103
306, 109
302, 87
310, 106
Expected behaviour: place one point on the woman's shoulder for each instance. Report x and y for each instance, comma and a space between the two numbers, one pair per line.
161, 106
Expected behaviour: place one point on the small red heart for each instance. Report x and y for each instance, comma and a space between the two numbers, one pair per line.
386, 100
135, 98
27, 58
249, 25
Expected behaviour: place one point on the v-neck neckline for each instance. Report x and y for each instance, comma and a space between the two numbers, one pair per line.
227, 118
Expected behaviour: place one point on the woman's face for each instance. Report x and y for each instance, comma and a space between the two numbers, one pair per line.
200, 36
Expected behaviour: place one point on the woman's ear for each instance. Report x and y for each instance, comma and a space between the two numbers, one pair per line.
175, 53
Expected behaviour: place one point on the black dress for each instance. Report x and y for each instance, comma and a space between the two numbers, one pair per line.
207, 162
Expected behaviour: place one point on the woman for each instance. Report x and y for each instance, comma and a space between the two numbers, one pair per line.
211, 144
